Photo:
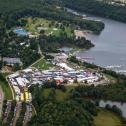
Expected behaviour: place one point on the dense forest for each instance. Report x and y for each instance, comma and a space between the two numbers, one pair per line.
11, 11
108, 92
28, 52
11, 47
100, 8
62, 41
73, 109
68, 112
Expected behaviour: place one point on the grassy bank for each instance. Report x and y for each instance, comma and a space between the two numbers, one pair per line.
107, 118
42, 64
49, 26
104, 117
6, 89
59, 94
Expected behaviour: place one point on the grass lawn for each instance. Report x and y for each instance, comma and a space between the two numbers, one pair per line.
110, 77
41, 64
59, 94
50, 25
6, 89
107, 118
34, 111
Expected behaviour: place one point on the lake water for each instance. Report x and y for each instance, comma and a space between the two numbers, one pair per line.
120, 105
109, 50
110, 45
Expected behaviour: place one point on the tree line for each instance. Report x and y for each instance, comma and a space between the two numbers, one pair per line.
107, 92
68, 112
100, 8
48, 10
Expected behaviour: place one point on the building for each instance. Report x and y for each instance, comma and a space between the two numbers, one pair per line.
11, 61
79, 34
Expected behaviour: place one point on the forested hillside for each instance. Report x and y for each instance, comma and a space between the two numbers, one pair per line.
52, 112
101, 8
16, 9
7, 5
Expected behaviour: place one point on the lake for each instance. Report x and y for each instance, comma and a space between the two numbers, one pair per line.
110, 45
121, 106
109, 50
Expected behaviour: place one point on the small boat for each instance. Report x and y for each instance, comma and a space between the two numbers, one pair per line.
113, 66
85, 58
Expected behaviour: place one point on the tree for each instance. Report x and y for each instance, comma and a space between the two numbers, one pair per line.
42, 32
63, 113
1, 64
16, 66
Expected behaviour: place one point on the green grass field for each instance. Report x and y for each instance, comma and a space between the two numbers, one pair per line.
52, 27
107, 118
111, 77
59, 94
6, 89
42, 64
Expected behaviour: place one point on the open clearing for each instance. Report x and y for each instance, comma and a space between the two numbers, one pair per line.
59, 94
107, 118
42, 64
50, 27
6, 89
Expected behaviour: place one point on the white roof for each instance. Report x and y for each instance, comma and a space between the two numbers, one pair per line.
13, 75
58, 78
25, 80
16, 89
14, 83
20, 81
80, 76
64, 65
27, 70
